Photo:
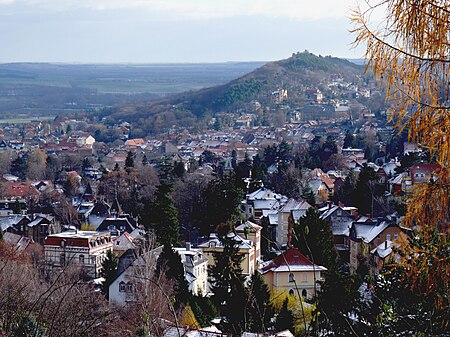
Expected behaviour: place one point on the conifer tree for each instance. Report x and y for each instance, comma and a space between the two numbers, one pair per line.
284, 319
161, 216
108, 272
169, 263
129, 161
227, 284
260, 310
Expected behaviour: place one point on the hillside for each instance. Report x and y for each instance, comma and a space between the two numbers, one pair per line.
299, 74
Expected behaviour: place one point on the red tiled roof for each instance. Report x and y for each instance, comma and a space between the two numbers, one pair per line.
291, 257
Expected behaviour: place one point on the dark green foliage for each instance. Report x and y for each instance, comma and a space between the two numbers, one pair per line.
207, 157
284, 319
222, 200
217, 125
242, 171
204, 310
366, 190
144, 160
314, 239
169, 263
161, 216
19, 167
403, 312
28, 327
178, 169
237, 92
17, 208
129, 161
108, 272
308, 195
227, 284
303, 61
260, 310
349, 140
86, 163
337, 298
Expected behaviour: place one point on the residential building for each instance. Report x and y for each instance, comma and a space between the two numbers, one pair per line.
246, 249
86, 249
195, 266
293, 273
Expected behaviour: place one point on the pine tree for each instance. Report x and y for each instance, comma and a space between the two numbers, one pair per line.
187, 318
314, 239
161, 216
108, 272
129, 161
260, 310
169, 263
144, 160
227, 284
284, 319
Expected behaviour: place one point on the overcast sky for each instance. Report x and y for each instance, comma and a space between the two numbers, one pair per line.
148, 31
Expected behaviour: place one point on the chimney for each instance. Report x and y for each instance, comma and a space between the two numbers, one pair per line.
188, 246
385, 244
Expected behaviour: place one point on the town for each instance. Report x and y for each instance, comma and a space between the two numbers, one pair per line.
250, 225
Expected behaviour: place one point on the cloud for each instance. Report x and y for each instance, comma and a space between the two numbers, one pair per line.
204, 9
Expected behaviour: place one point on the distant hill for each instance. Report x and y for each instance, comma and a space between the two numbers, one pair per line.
298, 74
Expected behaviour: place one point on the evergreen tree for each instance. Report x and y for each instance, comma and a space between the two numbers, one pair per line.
178, 169
284, 319
129, 161
19, 167
204, 309
313, 238
86, 163
17, 207
108, 272
337, 299
308, 195
367, 188
349, 139
260, 310
161, 216
227, 284
222, 200
169, 263
144, 160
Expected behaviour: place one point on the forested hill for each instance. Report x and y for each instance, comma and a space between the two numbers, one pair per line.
301, 72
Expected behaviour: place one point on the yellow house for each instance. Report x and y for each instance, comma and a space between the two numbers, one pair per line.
251, 231
246, 248
293, 273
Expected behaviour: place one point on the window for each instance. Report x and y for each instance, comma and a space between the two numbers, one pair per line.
304, 293
388, 237
291, 292
304, 277
291, 277
129, 287
122, 287
81, 259
62, 259
395, 236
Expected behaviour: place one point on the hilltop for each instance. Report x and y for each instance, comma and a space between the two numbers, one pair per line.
298, 75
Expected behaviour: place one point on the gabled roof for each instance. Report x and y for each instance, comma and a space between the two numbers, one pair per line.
252, 227
368, 231
383, 250
265, 194
11, 221
291, 260
293, 204
243, 243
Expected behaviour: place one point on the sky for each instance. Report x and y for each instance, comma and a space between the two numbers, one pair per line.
172, 31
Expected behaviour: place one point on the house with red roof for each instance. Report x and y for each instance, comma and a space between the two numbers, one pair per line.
293, 273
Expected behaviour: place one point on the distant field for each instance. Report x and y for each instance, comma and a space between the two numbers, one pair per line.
25, 120
51, 89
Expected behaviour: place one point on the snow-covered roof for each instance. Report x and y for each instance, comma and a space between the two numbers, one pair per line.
383, 250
